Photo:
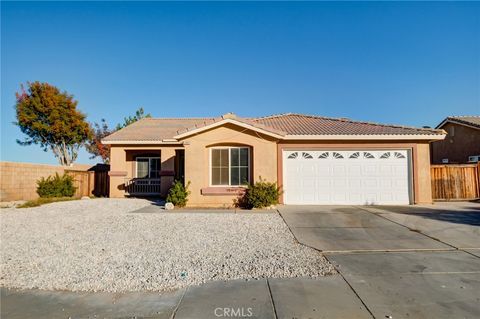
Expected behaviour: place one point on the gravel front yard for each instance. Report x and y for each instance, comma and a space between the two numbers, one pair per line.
102, 245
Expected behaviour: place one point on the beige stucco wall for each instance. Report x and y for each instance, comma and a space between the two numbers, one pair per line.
263, 157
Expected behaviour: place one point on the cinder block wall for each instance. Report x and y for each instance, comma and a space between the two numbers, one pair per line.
18, 181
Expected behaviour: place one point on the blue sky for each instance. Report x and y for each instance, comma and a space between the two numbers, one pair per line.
401, 63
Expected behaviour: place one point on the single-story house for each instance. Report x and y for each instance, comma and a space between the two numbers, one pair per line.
314, 159
462, 144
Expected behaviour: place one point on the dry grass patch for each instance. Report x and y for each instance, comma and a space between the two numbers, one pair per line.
46, 200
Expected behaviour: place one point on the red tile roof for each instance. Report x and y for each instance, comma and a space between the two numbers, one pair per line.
158, 129
231, 116
300, 124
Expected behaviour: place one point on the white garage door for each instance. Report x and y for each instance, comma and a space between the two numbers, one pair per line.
359, 177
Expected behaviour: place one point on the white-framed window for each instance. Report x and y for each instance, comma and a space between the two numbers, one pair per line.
229, 166
147, 167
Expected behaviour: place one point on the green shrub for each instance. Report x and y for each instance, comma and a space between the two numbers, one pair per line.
178, 194
261, 194
56, 186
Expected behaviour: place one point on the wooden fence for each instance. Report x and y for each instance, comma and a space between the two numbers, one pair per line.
95, 181
455, 181
82, 180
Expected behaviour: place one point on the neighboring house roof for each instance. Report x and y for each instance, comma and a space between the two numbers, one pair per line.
472, 121
281, 126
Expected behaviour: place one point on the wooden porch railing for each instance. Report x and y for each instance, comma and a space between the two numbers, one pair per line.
455, 181
142, 186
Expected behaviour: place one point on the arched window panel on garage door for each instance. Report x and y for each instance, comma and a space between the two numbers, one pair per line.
385, 155
337, 155
368, 155
323, 155
354, 155
399, 155
307, 155
293, 155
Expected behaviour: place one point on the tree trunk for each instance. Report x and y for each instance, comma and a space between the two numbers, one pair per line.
66, 154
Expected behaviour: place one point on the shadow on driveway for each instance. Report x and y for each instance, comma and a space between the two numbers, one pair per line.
350, 229
466, 215
456, 224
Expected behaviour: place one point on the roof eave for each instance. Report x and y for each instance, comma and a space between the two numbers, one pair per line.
430, 137
142, 142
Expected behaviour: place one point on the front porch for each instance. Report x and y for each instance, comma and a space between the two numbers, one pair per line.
148, 171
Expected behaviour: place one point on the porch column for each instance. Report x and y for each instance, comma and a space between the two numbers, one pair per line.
118, 171
167, 169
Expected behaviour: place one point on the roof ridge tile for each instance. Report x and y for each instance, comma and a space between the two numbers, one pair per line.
270, 116
178, 118
457, 116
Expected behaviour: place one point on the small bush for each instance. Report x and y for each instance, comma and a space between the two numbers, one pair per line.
261, 194
178, 194
56, 186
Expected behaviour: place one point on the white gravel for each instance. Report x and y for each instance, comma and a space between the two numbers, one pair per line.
102, 245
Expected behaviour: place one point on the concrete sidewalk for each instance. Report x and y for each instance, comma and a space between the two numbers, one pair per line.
39, 304
325, 297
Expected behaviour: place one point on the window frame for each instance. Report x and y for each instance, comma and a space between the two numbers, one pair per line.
149, 160
229, 148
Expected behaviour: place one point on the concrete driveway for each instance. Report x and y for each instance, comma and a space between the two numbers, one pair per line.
350, 229
454, 223
414, 284
402, 262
